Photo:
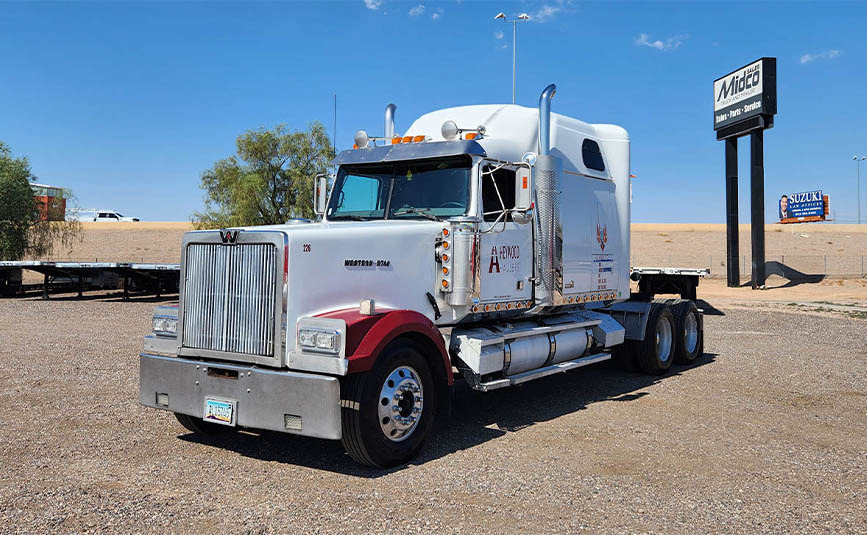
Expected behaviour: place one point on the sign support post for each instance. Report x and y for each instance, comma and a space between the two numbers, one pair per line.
745, 102
757, 201
733, 268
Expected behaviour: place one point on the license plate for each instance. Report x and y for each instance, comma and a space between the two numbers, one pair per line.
220, 411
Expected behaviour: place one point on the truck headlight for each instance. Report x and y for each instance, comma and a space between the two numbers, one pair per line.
321, 335
165, 321
322, 340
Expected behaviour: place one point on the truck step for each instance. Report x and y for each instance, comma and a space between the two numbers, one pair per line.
541, 372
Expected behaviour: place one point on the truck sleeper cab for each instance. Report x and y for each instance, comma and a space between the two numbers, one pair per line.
490, 243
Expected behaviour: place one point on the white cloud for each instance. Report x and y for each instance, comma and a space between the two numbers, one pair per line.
416, 11
546, 12
669, 44
830, 54
373, 4
498, 35
436, 15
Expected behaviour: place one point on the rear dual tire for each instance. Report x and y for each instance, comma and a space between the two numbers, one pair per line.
674, 335
690, 332
656, 352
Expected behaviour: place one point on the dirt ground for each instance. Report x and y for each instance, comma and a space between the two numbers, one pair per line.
767, 433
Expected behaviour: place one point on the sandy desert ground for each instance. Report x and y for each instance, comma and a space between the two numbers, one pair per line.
810, 249
691, 243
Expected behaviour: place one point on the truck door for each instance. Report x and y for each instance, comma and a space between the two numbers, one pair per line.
505, 247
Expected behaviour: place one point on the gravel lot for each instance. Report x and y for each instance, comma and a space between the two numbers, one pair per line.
766, 434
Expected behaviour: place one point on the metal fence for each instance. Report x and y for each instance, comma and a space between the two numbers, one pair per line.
830, 266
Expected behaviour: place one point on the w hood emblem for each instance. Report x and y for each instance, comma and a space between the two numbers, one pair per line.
229, 237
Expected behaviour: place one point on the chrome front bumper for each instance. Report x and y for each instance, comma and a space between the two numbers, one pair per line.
292, 402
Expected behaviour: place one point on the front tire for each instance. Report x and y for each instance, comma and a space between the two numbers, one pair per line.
388, 412
201, 427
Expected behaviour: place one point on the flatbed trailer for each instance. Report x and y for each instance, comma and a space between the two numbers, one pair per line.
148, 278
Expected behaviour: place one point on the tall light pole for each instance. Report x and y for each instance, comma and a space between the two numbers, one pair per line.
858, 160
523, 17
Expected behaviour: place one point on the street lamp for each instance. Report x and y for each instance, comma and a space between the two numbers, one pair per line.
858, 160
523, 17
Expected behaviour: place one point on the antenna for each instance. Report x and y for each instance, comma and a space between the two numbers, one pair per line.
334, 132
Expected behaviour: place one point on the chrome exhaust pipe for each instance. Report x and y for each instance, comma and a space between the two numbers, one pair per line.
389, 121
545, 118
547, 171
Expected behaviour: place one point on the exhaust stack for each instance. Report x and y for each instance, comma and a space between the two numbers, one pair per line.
545, 118
389, 121
548, 170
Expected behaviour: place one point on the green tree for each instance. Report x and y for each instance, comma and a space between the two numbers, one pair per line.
22, 232
268, 181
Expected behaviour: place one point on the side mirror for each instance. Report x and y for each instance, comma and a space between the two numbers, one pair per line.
523, 195
320, 194
523, 189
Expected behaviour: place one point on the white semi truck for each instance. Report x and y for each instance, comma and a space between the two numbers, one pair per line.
489, 244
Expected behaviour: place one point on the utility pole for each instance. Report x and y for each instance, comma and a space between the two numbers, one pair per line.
858, 160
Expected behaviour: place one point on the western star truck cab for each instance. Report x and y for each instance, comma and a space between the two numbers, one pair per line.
489, 244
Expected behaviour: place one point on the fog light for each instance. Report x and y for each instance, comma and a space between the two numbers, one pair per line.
162, 399
292, 422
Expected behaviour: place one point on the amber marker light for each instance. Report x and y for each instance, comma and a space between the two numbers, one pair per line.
445, 257
407, 139
445, 245
445, 270
417, 139
445, 283
471, 135
395, 140
445, 232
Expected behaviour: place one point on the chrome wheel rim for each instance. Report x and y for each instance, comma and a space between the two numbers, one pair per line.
400, 403
663, 339
690, 327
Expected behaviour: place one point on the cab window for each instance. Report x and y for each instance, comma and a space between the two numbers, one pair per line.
496, 181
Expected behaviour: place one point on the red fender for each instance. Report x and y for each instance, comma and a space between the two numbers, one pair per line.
367, 336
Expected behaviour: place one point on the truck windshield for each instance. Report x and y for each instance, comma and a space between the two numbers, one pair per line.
426, 189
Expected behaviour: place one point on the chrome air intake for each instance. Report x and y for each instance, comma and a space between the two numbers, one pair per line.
548, 170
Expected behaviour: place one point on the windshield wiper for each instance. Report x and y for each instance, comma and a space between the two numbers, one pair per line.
418, 211
348, 216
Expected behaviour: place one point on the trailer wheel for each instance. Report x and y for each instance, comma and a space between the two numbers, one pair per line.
388, 412
656, 352
690, 332
201, 427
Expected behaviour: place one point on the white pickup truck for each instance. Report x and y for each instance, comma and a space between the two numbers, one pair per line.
103, 216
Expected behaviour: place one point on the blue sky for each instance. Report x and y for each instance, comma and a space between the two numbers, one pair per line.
127, 103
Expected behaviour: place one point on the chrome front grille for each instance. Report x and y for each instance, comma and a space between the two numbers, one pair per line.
229, 298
